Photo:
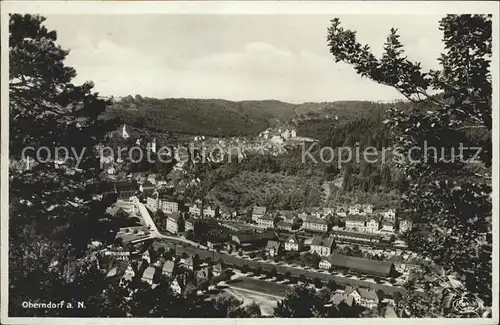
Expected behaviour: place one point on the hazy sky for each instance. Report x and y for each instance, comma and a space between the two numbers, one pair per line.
235, 57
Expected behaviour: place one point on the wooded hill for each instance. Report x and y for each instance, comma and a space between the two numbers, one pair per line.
209, 117
222, 118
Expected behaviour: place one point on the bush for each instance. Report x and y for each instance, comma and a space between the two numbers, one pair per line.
332, 285
317, 283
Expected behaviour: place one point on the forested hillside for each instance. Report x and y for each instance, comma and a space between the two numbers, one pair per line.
210, 117
222, 118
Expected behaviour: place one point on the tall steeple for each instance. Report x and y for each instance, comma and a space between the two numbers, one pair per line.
124, 132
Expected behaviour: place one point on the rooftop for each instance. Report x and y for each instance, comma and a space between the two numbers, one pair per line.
284, 224
251, 237
355, 234
149, 273
320, 241
267, 217
311, 219
273, 244
364, 265
125, 185
168, 266
173, 216
259, 210
356, 218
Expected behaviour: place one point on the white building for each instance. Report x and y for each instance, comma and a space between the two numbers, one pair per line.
276, 139
367, 298
390, 215
293, 243
286, 134
169, 206
368, 208
127, 205
152, 179
173, 222
355, 222
405, 225
315, 224
148, 275
152, 203
195, 210
125, 134
322, 246
258, 212
209, 212
373, 224
341, 212
325, 264
387, 226
354, 209
153, 145
266, 221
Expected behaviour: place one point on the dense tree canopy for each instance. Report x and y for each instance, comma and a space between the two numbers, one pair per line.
451, 106
52, 218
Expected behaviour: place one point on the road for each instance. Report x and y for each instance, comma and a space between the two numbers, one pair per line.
148, 220
238, 261
155, 233
310, 274
184, 240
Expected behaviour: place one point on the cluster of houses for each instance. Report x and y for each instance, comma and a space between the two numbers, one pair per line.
184, 274
357, 218
364, 219
278, 135
352, 296
321, 245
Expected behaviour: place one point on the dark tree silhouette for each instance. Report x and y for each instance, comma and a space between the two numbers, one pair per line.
450, 107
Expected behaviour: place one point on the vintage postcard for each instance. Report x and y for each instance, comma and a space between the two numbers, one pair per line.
218, 162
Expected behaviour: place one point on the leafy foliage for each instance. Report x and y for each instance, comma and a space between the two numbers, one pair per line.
266, 189
302, 302
52, 218
451, 194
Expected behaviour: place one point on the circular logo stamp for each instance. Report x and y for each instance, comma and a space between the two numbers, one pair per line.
465, 304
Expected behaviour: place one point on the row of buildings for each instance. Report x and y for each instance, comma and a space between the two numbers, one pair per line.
325, 248
382, 222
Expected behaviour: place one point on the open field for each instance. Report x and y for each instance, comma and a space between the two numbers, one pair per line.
266, 303
271, 288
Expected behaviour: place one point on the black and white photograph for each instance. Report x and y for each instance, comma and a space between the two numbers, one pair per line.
214, 160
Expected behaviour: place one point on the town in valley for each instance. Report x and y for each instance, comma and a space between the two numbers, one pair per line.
239, 166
